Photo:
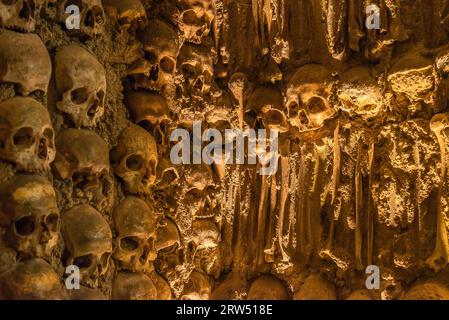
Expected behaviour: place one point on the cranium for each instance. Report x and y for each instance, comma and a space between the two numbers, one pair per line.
24, 61
81, 82
267, 287
32, 279
167, 174
30, 215
161, 46
308, 94
19, 14
195, 19
135, 159
135, 223
91, 14
162, 287
83, 157
49, 9
151, 112
26, 134
359, 94
361, 295
128, 13
199, 180
85, 293
316, 288
204, 245
198, 287
233, 287
168, 243
412, 80
195, 63
88, 240
133, 286
267, 104
427, 290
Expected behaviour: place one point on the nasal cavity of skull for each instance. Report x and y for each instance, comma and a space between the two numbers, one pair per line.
146, 252
104, 262
25, 226
93, 16
24, 138
27, 10
316, 105
106, 186
151, 172
83, 262
134, 162
293, 109
129, 244
44, 144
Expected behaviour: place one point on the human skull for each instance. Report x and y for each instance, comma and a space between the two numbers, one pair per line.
359, 94
267, 287
151, 112
162, 287
85, 293
31, 279
26, 134
88, 240
428, 289
91, 14
135, 159
49, 9
161, 46
168, 243
315, 287
19, 14
135, 223
412, 81
267, 104
195, 19
199, 184
133, 286
81, 82
204, 245
83, 157
24, 61
199, 287
30, 215
167, 174
195, 63
128, 13
308, 95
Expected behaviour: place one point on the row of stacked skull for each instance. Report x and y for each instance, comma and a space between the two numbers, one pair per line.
312, 98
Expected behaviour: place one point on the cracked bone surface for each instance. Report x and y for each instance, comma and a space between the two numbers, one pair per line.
93, 117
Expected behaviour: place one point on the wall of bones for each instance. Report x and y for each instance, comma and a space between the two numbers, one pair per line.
86, 179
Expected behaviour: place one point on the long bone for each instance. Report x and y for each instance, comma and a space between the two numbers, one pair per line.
358, 209
440, 256
285, 173
369, 213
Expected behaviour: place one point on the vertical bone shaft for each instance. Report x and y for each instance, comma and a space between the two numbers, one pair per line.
358, 209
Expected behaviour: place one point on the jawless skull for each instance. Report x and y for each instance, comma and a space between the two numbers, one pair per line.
194, 19
161, 46
26, 134
30, 215
81, 82
168, 245
129, 14
133, 286
91, 14
135, 223
135, 159
88, 241
31, 279
267, 104
19, 15
308, 98
24, 61
195, 63
199, 287
151, 112
83, 157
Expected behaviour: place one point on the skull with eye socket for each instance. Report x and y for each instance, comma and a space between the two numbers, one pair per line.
30, 215
26, 134
91, 14
308, 98
19, 14
83, 157
194, 19
157, 69
88, 240
135, 223
195, 62
168, 246
135, 159
198, 190
81, 82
